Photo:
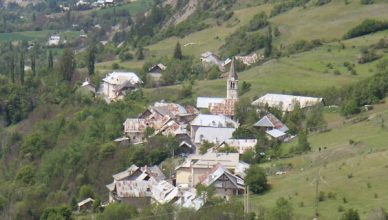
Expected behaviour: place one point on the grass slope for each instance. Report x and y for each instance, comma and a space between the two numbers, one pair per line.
327, 22
355, 171
305, 71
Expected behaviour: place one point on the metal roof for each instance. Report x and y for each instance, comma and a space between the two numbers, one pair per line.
83, 202
189, 199
204, 102
275, 133
209, 159
271, 121
119, 78
217, 121
213, 135
163, 192
286, 102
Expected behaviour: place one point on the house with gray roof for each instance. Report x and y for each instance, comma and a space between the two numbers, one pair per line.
225, 183
212, 128
273, 127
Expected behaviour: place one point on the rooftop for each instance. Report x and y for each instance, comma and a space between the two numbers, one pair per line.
119, 78
204, 102
286, 102
217, 121
271, 121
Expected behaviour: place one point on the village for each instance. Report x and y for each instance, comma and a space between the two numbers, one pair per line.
211, 122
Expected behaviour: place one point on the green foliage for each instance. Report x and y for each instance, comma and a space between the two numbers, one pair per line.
303, 144
285, 6
118, 211
350, 214
205, 146
67, 64
242, 42
366, 27
256, 179
322, 2
244, 132
294, 119
26, 175
85, 192
268, 43
302, 45
91, 59
283, 210
245, 112
57, 213
157, 149
350, 107
178, 51
367, 2
315, 120
248, 156
186, 91
244, 88
185, 69
228, 149
367, 55
16, 102
258, 21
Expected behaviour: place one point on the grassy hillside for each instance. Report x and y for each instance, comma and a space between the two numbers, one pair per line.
327, 22
35, 35
299, 72
354, 171
306, 71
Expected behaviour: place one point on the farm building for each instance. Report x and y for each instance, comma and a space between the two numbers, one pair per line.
286, 103
116, 84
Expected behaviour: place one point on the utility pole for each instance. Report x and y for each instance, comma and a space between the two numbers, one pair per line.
248, 208
245, 200
316, 195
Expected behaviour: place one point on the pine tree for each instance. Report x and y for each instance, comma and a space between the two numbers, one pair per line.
268, 43
50, 61
91, 59
21, 68
140, 54
33, 62
12, 67
67, 64
178, 51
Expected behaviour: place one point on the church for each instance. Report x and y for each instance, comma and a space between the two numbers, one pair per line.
223, 106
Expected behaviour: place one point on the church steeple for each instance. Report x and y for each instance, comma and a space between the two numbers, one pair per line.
232, 82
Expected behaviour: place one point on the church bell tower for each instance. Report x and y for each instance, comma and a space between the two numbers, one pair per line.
232, 83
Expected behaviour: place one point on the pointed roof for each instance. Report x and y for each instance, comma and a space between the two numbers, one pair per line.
270, 121
232, 71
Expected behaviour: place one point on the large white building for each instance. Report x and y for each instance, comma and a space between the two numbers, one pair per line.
286, 103
116, 84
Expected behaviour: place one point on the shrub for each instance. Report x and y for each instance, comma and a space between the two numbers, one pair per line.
322, 2
366, 27
350, 214
321, 196
257, 22
367, 2
256, 178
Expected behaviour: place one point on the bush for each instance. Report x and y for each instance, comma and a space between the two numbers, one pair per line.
366, 27
118, 211
257, 22
59, 213
322, 2
350, 214
256, 179
303, 45
367, 2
